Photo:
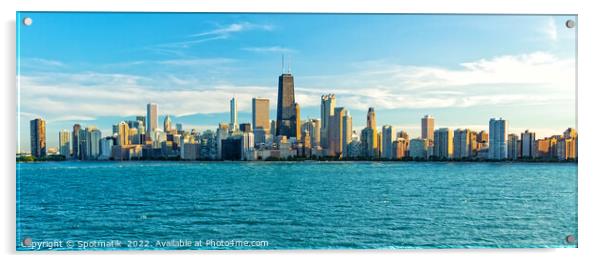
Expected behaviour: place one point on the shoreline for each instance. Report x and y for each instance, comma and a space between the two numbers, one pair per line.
303, 161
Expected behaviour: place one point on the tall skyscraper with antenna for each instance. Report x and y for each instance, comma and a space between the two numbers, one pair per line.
233, 114
286, 119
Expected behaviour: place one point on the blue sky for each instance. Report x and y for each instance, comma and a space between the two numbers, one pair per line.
100, 68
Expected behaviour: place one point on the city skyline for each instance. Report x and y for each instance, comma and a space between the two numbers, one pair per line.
402, 81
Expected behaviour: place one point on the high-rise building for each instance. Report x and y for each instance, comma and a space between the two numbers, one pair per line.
231, 148
64, 147
371, 123
233, 114
167, 124
498, 148
462, 144
83, 144
513, 146
428, 127
75, 141
570, 133
387, 142
245, 127
261, 119
419, 148
221, 134
286, 119
297, 121
354, 149
37, 135
443, 146
347, 133
124, 134
313, 126
403, 134
93, 148
273, 128
545, 148
527, 144
368, 143
106, 146
335, 130
141, 119
248, 145
400, 148
151, 118
327, 105
566, 148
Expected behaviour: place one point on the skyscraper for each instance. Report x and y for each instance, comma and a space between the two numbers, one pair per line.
368, 143
124, 134
83, 144
513, 146
37, 135
233, 114
462, 144
64, 148
297, 126
399, 148
93, 148
312, 126
527, 144
75, 141
151, 118
261, 119
371, 123
221, 134
371, 118
428, 127
347, 134
443, 143
335, 136
167, 124
419, 148
387, 141
286, 119
327, 105
498, 148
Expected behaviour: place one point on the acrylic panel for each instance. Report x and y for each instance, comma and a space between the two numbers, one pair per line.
164, 131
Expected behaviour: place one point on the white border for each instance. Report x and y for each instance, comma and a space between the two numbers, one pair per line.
589, 100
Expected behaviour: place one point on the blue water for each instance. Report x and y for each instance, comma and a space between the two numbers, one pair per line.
306, 205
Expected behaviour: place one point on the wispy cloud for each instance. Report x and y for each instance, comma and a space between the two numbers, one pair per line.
550, 29
270, 49
197, 62
527, 79
218, 33
233, 28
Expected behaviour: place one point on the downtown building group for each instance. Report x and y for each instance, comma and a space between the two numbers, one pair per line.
331, 137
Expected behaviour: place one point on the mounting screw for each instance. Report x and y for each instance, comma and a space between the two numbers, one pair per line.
570, 23
27, 21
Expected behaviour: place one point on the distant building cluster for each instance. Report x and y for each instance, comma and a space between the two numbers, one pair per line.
288, 137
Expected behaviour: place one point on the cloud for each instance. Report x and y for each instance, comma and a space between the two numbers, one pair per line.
233, 28
196, 62
550, 30
526, 79
219, 33
270, 49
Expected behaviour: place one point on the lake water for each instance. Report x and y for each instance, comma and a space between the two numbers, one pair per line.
295, 205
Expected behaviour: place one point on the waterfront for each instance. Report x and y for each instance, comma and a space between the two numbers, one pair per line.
301, 205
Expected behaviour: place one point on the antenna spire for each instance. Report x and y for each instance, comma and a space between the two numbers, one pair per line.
289, 64
282, 63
